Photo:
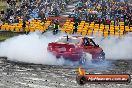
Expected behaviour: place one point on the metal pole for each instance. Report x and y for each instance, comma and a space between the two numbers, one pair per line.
124, 21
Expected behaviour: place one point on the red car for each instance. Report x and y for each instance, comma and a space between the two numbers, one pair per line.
75, 48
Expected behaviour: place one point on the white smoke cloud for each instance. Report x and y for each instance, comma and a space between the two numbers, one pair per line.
117, 48
32, 48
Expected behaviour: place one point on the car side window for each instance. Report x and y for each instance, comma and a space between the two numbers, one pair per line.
87, 42
90, 42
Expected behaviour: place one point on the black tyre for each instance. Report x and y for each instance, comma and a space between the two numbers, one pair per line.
100, 58
58, 57
83, 59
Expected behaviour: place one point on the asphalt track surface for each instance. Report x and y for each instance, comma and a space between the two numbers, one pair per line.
23, 75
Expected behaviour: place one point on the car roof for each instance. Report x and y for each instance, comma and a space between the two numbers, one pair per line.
90, 37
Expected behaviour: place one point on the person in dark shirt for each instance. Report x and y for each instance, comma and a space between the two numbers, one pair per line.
75, 27
2, 11
24, 24
8, 1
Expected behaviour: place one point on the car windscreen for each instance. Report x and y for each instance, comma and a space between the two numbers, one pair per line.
70, 40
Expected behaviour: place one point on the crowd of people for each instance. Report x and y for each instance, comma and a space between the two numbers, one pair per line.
29, 9
99, 11
104, 11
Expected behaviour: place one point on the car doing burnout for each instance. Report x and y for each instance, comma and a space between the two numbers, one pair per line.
75, 48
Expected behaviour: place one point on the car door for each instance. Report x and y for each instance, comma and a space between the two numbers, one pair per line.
88, 48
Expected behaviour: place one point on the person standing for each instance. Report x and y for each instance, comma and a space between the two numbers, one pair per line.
75, 27
2, 13
56, 27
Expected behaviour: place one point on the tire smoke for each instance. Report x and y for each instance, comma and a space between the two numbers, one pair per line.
32, 48
117, 48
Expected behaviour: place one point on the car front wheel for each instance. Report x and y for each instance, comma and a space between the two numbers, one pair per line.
100, 58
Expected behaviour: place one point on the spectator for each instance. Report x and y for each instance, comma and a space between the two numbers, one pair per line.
75, 27
2, 13
94, 10
56, 27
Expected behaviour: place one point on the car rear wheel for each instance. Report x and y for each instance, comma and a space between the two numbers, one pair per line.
58, 57
83, 59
